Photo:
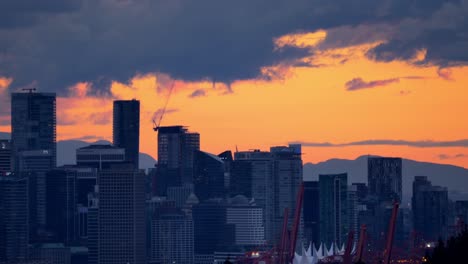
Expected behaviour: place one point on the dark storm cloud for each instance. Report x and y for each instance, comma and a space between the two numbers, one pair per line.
58, 43
389, 142
23, 13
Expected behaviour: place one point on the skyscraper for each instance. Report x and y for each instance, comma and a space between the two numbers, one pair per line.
208, 178
333, 208
260, 184
126, 129
384, 178
33, 135
311, 212
5, 157
173, 235
121, 216
248, 222
33, 123
61, 205
430, 209
13, 219
176, 150
287, 172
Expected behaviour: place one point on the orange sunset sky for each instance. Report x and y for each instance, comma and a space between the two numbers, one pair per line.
345, 78
397, 101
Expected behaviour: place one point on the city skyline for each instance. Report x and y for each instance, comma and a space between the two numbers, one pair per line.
368, 83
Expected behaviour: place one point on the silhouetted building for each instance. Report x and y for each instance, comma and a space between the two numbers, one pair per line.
211, 231
461, 211
33, 123
385, 178
430, 209
173, 239
179, 194
260, 184
227, 159
176, 149
208, 178
353, 210
93, 228
13, 218
121, 216
361, 191
247, 220
62, 205
334, 214
287, 172
5, 157
99, 156
311, 212
34, 164
126, 129
50, 253
241, 178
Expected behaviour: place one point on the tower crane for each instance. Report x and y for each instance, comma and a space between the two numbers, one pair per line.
157, 124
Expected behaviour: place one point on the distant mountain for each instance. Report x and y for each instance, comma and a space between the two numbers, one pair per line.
453, 177
66, 153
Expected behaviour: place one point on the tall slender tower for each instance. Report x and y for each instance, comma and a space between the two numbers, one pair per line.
33, 124
126, 129
34, 148
333, 208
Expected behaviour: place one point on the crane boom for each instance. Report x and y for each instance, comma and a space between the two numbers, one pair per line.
158, 124
390, 234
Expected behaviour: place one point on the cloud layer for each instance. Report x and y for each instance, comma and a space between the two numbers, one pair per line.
56, 44
373, 142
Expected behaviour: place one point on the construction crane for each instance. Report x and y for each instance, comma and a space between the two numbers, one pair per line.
361, 244
347, 258
157, 124
284, 236
297, 216
390, 234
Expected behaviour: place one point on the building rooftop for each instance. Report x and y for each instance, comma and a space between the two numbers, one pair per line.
100, 146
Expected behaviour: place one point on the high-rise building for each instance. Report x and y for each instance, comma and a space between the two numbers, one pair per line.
13, 219
353, 210
92, 231
385, 178
208, 178
179, 194
33, 123
461, 211
99, 156
430, 209
176, 149
121, 216
62, 205
311, 212
333, 208
287, 172
174, 241
5, 157
50, 253
247, 220
260, 184
34, 164
126, 129
227, 159
211, 231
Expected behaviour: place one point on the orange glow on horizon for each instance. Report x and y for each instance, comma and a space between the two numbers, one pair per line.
309, 104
